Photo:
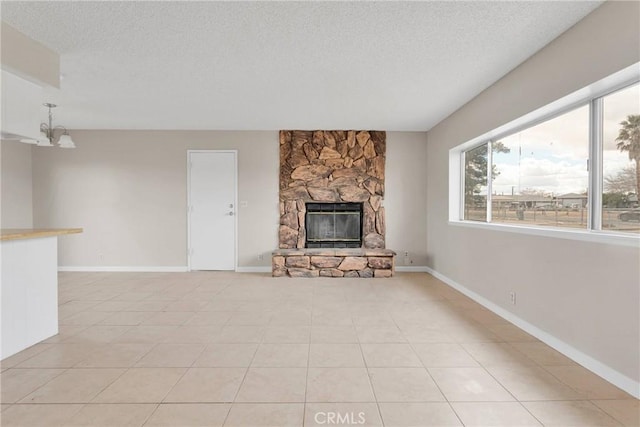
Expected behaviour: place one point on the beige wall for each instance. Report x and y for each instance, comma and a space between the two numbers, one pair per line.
128, 190
585, 294
27, 58
405, 198
16, 188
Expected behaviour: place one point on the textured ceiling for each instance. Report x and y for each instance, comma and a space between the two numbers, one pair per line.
282, 65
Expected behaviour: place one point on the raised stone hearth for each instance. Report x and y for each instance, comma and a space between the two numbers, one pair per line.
333, 262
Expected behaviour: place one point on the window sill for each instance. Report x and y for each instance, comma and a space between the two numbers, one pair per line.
559, 233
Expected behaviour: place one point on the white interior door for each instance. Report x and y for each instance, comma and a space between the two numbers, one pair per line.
212, 209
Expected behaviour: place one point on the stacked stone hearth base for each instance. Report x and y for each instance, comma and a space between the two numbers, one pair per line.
333, 262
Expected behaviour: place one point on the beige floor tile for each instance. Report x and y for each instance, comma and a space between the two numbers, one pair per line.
422, 334
214, 385
265, 414
187, 305
570, 414
112, 306
193, 334
496, 354
116, 356
226, 355
72, 308
494, 414
85, 318
240, 334
209, 318
511, 333
141, 385
389, 355
127, 318
329, 318
471, 333
586, 382
373, 319
302, 318
333, 334
281, 356
418, 415
189, 415
469, 385
169, 318
626, 411
65, 332
287, 334
17, 383
145, 334
132, 296
543, 354
358, 414
533, 383
111, 415
171, 356
335, 356
61, 356
215, 321
444, 355
3, 407
339, 385
273, 385
247, 318
74, 386
38, 415
98, 334
404, 385
380, 334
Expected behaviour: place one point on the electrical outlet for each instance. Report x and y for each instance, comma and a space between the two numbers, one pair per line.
512, 296
406, 254
260, 257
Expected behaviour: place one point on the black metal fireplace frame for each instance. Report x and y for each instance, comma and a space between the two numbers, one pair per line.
339, 208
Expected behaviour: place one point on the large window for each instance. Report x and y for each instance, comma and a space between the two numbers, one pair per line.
574, 166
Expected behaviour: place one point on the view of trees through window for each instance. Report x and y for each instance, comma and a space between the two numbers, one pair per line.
621, 158
540, 175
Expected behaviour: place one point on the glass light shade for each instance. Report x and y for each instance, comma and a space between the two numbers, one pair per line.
43, 141
65, 141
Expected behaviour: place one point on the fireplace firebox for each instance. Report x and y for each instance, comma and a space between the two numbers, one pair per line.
333, 225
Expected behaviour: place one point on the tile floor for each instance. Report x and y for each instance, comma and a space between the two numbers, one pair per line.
214, 349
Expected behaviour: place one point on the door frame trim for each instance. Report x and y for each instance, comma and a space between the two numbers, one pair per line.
235, 204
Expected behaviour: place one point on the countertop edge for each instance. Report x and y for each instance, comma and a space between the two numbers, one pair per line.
35, 233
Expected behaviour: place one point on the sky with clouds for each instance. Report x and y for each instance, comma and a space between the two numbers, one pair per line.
552, 156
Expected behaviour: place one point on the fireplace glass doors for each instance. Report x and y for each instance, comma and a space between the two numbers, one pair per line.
334, 225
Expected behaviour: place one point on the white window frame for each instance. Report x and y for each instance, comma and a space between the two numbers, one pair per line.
591, 95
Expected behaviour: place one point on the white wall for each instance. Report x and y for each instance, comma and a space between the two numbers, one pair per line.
585, 294
16, 188
128, 190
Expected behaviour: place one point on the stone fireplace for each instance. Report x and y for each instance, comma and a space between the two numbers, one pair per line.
332, 204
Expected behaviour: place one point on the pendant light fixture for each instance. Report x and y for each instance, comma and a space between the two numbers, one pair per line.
47, 133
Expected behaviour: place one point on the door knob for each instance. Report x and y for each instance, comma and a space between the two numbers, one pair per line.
231, 213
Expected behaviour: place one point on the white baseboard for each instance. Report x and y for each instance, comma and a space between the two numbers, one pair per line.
260, 269
608, 373
134, 269
412, 269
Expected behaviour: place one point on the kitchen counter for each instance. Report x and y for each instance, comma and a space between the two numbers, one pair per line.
32, 233
29, 285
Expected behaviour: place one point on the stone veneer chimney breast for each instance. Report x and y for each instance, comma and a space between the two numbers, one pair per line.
330, 167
